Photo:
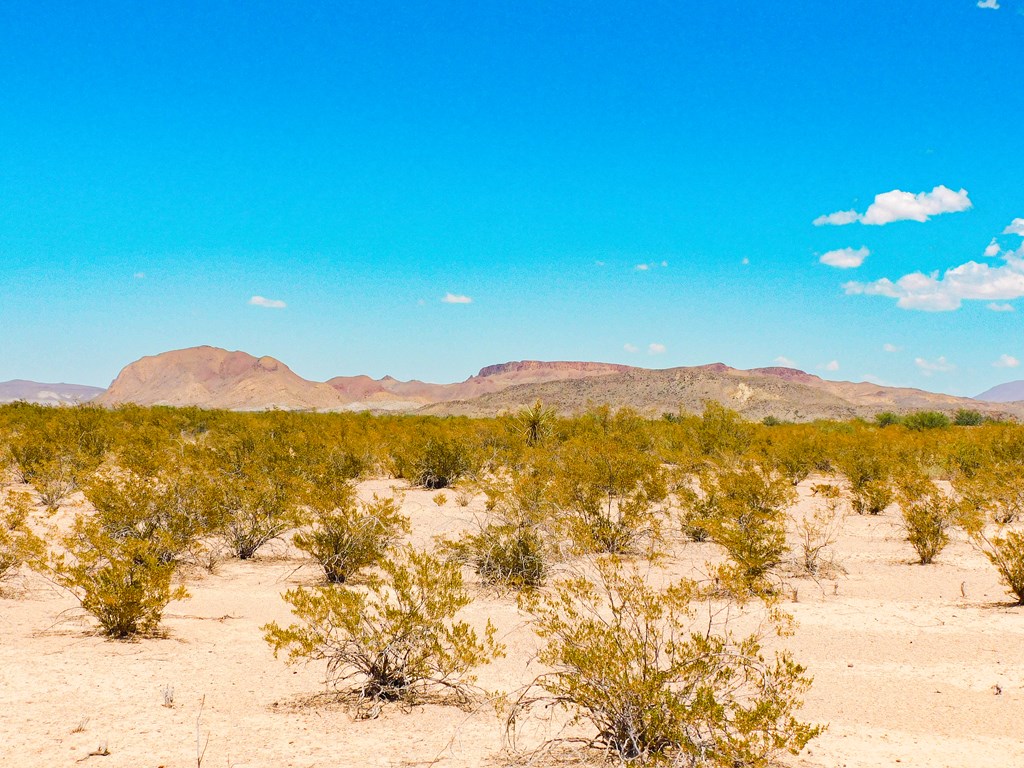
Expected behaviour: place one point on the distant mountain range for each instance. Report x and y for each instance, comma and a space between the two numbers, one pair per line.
211, 377
1010, 392
46, 394
216, 378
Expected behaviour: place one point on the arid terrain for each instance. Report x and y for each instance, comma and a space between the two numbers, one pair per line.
912, 665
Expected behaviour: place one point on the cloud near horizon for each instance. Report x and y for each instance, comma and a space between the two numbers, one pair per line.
656, 349
260, 301
993, 4
1015, 227
932, 293
897, 205
938, 365
845, 258
455, 298
1006, 361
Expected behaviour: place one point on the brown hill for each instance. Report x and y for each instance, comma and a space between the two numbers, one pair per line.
216, 378
211, 377
784, 393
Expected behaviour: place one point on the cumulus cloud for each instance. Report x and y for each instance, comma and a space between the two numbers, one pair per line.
831, 365
897, 205
139, 275
784, 361
1015, 227
891, 348
837, 219
631, 348
845, 258
745, 261
656, 349
1006, 361
935, 293
260, 301
995, 307
992, 249
938, 365
993, 4
455, 298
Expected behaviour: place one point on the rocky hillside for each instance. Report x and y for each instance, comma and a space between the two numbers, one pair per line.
784, 393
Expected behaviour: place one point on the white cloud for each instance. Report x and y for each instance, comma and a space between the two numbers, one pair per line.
993, 4
1015, 227
656, 349
1001, 307
831, 365
897, 205
139, 275
1006, 361
992, 249
455, 298
259, 301
784, 361
938, 365
845, 258
837, 219
745, 261
933, 293
631, 348
891, 348
650, 266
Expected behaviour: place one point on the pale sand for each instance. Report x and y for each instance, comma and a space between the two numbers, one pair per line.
904, 668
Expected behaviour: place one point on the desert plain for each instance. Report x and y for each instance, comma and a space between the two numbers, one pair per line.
912, 665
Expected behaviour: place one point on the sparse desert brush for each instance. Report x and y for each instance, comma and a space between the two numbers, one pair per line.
867, 462
657, 685
392, 639
441, 462
815, 535
743, 509
510, 545
993, 491
794, 452
171, 511
928, 514
440, 499
124, 583
346, 535
18, 543
609, 485
1005, 550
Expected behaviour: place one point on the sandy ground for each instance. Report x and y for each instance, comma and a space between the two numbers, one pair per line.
912, 665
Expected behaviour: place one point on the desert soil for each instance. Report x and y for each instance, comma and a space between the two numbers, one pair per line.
912, 665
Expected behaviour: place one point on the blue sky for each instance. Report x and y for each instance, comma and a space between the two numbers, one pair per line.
163, 164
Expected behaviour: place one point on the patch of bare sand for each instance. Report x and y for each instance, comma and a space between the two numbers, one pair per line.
908, 668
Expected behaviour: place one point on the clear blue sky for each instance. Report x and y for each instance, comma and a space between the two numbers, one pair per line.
163, 163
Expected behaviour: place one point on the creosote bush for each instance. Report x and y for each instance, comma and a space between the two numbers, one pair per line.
346, 535
743, 509
124, 583
393, 639
928, 514
18, 544
656, 684
1006, 552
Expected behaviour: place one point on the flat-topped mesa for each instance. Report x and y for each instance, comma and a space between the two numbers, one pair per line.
553, 367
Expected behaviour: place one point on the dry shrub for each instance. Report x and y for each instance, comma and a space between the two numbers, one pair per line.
393, 639
655, 684
347, 535
928, 515
18, 543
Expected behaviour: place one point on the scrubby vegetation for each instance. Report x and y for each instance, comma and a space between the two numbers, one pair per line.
140, 495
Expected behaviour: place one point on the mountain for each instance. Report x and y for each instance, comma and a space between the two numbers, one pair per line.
46, 394
784, 393
1010, 392
216, 378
